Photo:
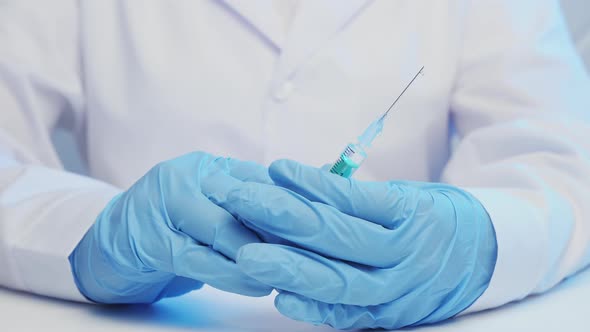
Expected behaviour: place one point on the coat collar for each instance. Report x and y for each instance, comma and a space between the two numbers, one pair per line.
315, 22
260, 16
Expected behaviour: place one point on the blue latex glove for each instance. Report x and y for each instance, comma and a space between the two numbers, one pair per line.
365, 254
164, 237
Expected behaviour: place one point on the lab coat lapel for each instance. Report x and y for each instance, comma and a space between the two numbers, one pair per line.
261, 17
316, 21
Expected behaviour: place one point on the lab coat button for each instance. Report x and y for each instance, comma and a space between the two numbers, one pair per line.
283, 91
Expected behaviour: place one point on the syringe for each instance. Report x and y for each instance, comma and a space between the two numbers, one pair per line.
355, 153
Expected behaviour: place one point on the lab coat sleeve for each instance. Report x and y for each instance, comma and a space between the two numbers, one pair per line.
521, 106
44, 210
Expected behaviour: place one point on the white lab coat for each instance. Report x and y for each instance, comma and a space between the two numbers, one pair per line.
139, 82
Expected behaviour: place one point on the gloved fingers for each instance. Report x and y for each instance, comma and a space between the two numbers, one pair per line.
339, 316
247, 171
384, 203
180, 286
410, 309
208, 266
204, 221
198, 172
320, 278
202, 163
265, 236
316, 226
392, 315
192, 210
216, 185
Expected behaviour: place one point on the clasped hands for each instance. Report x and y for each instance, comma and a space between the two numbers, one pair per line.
341, 252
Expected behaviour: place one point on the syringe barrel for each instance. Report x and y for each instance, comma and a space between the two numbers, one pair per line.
350, 160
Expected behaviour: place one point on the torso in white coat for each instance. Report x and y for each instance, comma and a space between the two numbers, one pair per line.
165, 79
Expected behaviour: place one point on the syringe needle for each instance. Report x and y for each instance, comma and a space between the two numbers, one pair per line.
355, 153
401, 94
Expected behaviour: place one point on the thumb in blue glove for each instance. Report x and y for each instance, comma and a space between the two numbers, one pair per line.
365, 254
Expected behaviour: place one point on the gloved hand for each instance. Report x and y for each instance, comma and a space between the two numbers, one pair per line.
164, 237
365, 254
